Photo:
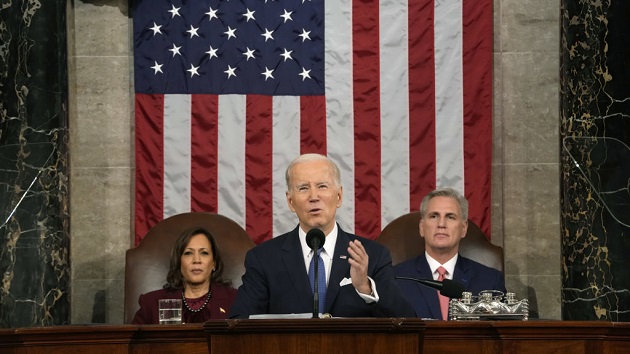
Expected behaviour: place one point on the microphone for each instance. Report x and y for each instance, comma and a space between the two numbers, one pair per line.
315, 240
447, 287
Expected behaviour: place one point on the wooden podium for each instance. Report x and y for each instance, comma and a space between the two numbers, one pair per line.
312, 335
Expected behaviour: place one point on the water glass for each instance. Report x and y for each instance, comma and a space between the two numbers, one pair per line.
170, 311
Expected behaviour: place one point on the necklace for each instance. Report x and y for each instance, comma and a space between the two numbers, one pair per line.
202, 306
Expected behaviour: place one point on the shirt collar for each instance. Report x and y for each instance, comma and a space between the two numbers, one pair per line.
329, 243
449, 265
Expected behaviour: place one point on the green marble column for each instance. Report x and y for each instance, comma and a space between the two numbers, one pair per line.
34, 217
595, 159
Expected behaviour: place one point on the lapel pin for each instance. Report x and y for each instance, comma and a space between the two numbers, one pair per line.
343, 256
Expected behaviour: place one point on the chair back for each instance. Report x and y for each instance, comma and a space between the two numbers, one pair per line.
402, 238
147, 264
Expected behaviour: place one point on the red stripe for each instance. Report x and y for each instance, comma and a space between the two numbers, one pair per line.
149, 197
421, 101
204, 150
367, 123
258, 168
477, 67
313, 124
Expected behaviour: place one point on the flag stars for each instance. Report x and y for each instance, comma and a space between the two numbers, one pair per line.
249, 54
249, 15
174, 11
156, 29
268, 34
287, 16
193, 70
230, 33
193, 31
157, 68
305, 74
230, 72
287, 54
212, 13
175, 50
212, 53
267, 73
305, 35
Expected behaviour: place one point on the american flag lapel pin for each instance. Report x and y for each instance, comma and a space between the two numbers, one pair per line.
343, 256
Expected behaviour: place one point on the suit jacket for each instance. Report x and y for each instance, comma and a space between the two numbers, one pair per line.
474, 276
276, 281
217, 307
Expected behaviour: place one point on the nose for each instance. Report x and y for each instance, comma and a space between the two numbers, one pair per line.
196, 258
441, 222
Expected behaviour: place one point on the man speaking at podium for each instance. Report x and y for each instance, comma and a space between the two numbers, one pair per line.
356, 279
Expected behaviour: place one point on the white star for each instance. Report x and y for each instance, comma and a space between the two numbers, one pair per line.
305, 74
158, 68
303, 1
174, 11
156, 29
230, 71
250, 15
193, 31
249, 54
268, 34
268, 73
287, 54
212, 14
175, 50
230, 32
286, 15
305, 35
212, 53
193, 70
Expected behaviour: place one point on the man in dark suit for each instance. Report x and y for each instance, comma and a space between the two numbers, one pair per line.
443, 223
360, 279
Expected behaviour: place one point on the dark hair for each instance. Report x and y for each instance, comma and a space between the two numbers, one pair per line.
174, 278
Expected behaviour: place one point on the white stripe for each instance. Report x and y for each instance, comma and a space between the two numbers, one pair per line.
339, 103
177, 110
286, 147
231, 158
394, 80
449, 95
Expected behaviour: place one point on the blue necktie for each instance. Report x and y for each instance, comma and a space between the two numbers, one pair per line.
321, 279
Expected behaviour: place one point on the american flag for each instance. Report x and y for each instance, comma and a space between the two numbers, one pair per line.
227, 93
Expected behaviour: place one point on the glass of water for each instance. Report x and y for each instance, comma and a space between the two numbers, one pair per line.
170, 311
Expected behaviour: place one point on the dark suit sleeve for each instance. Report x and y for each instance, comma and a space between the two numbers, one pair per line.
253, 295
391, 301
147, 311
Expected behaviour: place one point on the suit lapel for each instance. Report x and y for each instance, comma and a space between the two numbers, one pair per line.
462, 272
430, 294
294, 265
340, 267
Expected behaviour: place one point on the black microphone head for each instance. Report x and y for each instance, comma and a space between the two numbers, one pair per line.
452, 289
315, 238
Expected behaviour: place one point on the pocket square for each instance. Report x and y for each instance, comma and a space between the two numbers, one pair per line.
345, 281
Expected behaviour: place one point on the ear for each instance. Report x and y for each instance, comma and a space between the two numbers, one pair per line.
290, 202
420, 227
464, 228
339, 197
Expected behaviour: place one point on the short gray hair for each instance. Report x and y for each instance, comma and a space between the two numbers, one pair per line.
312, 157
445, 192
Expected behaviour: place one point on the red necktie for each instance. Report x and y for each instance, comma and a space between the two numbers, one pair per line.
443, 299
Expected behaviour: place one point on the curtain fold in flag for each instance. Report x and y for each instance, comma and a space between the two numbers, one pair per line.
227, 93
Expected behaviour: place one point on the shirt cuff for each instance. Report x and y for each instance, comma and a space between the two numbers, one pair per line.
373, 297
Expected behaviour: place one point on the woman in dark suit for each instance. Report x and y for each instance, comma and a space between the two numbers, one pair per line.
195, 276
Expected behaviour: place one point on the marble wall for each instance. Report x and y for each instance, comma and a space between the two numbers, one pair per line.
34, 215
595, 132
526, 162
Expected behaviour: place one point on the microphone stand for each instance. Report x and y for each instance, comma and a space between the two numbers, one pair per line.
315, 284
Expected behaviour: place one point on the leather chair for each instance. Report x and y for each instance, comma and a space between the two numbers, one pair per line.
402, 238
147, 264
